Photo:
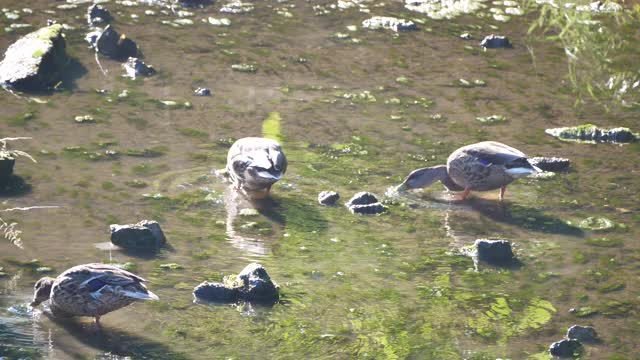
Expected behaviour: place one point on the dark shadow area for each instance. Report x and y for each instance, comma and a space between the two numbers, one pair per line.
72, 72
115, 341
14, 186
146, 253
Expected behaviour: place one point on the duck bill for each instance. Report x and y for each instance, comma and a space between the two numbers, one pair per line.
140, 295
521, 172
269, 177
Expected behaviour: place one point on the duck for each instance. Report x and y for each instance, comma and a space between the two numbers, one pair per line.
254, 164
482, 166
90, 290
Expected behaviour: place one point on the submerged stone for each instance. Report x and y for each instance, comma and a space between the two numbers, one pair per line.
97, 14
565, 348
35, 61
146, 234
494, 251
387, 22
591, 133
328, 197
135, 67
582, 333
253, 284
202, 92
496, 42
553, 164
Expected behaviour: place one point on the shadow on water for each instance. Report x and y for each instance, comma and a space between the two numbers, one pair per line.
14, 186
72, 72
522, 216
115, 341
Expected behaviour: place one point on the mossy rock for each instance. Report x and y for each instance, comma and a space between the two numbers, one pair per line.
597, 224
591, 133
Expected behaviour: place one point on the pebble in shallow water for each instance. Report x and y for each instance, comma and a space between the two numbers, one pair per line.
365, 203
202, 92
496, 42
391, 23
328, 197
582, 333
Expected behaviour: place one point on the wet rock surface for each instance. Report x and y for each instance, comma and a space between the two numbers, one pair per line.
496, 42
582, 333
97, 14
35, 61
135, 67
252, 284
391, 23
494, 251
565, 348
365, 203
553, 164
328, 197
592, 133
110, 43
146, 234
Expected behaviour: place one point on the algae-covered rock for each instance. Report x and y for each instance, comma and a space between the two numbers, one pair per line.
35, 61
592, 134
553, 164
146, 234
597, 224
253, 284
387, 22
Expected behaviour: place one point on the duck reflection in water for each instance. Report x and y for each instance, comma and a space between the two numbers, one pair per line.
253, 166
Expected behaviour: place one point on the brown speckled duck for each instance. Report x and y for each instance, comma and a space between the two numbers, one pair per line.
90, 290
254, 164
483, 166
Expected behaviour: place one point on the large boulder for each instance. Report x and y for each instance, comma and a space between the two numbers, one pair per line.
146, 234
35, 61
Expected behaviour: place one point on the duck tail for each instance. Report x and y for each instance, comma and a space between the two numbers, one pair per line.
141, 295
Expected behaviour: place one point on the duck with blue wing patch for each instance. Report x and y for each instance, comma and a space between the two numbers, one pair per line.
90, 290
483, 166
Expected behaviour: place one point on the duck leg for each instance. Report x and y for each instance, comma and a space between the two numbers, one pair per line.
502, 190
466, 193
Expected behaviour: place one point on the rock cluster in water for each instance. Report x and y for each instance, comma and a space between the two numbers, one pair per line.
135, 67
553, 164
496, 42
365, 203
146, 234
387, 22
328, 197
494, 251
592, 133
110, 43
35, 61
252, 284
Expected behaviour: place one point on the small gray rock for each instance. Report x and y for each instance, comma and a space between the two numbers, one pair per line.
362, 198
202, 92
216, 292
328, 197
146, 234
553, 164
495, 42
494, 251
582, 333
565, 348
97, 14
135, 67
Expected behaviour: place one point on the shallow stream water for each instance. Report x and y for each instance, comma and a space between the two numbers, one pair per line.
355, 110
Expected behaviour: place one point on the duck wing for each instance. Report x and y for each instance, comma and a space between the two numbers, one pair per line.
129, 284
495, 153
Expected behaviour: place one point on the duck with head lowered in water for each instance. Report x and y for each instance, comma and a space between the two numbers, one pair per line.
90, 290
483, 166
254, 164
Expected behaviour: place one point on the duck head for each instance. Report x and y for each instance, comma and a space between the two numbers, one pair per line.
259, 169
42, 291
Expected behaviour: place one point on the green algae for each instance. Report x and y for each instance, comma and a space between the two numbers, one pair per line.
271, 126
